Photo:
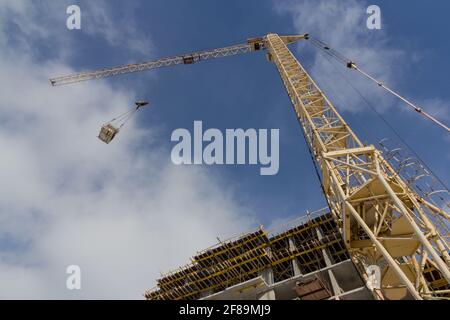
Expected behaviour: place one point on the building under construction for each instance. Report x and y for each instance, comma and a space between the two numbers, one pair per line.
305, 260
385, 234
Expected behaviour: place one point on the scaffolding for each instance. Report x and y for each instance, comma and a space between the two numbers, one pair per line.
307, 256
243, 258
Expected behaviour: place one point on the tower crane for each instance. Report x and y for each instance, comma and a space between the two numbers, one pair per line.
386, 226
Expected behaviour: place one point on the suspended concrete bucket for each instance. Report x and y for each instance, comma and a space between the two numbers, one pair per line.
111, 129
107, 133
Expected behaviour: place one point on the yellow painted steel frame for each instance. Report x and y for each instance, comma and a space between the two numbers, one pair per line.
384, 223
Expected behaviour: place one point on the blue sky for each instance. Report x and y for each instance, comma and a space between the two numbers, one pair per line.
76, 188
245, 91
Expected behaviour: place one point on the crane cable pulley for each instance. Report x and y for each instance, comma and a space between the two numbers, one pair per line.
352, 65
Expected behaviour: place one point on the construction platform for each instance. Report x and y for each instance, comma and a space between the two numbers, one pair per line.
305, 260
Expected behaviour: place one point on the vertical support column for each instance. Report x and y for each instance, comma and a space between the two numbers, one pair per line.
327, 257
295, 265
267, 274
268, 295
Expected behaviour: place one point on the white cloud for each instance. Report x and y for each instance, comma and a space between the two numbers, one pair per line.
117, 28
342, 25
122, 212
44, 23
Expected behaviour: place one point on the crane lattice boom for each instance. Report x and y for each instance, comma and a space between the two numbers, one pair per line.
190, 58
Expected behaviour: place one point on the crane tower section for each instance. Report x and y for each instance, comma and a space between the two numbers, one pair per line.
388, 229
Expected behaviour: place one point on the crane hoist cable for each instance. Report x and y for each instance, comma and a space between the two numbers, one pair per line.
111, 128
352, 65
373, 108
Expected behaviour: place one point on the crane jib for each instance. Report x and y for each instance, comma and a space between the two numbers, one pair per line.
153, 64
253, 44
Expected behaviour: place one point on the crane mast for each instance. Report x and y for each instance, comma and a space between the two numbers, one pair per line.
392, 233
383, 223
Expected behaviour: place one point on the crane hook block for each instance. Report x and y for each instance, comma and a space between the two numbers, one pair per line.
141, 103
107, 133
